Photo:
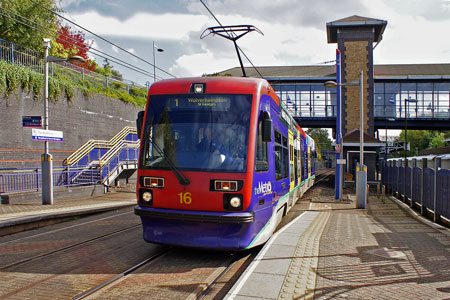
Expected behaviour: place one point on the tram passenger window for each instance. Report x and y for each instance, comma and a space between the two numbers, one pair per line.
302, 159
285, 158
296, 164
278, 156
262, 159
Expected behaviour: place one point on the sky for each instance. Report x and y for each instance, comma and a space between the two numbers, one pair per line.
294, 32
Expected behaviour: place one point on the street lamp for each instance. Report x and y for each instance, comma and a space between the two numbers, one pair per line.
361, 179
154, 59
46, 158
339, 142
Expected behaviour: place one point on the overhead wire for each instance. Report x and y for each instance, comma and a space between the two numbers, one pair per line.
102, 38
217, 20
76, 43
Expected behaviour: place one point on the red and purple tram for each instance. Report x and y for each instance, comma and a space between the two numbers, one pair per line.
221, 162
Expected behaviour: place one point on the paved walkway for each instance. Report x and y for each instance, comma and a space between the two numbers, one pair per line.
337, 252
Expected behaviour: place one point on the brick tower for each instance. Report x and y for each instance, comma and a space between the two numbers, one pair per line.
355, 37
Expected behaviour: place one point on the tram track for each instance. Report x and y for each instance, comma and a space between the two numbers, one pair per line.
181, 282
23, 261
322, 176
107, 283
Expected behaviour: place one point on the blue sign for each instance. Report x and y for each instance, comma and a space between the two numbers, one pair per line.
32, 121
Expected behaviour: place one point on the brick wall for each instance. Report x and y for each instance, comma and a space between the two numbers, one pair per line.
356, 60
98, 117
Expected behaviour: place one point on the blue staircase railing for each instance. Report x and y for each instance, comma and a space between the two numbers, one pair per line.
93, 163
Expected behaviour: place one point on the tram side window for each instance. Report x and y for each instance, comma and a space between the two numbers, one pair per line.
291, 162
281, 156
285, 157
296, 163
262, 158
278, 156
309, 162
302, 159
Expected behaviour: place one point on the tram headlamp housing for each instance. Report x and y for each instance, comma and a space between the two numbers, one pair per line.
145, 197
153, 182
198, 88
233, 202
226, 185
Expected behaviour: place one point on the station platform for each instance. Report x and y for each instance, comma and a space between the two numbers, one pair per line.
330, 251
334, 251
19, 217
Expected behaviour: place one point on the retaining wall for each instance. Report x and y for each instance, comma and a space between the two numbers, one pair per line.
97, 117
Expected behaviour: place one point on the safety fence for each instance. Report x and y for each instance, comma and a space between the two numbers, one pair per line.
423, 186
96, 162
23, 180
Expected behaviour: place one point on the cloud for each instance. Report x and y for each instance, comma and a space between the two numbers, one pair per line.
293, 47
431, 10
293, 12
166, 26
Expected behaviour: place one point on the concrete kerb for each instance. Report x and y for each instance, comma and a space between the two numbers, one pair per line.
35, 219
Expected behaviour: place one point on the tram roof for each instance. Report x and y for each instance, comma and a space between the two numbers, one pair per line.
183, 85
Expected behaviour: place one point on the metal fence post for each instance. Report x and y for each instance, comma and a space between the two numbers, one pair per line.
414, 164
37, 179
423, 209
437, 166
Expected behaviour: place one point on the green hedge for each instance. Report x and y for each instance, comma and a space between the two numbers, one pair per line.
12, 77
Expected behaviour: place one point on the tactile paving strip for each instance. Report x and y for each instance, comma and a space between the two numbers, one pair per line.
300, 280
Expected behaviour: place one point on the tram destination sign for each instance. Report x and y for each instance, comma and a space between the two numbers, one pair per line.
32, 121
47, 135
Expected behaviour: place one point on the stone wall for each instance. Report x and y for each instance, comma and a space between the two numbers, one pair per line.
97, 117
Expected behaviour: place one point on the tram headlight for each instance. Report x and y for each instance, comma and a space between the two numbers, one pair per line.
146, 197
233, 202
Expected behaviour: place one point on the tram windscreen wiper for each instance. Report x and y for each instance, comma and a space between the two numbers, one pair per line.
182, 179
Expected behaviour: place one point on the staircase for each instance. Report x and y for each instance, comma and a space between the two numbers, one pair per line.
103, 161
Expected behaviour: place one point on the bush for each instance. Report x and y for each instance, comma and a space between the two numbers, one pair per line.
12, 77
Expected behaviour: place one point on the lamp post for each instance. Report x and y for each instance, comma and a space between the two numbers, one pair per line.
154, 59
361, 181
46, 157
339, 141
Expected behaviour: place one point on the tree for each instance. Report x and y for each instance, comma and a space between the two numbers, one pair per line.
12, 28
107, 70
423, 139
73, 43
323, 141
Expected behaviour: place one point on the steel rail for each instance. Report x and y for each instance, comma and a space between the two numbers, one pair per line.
39, 256
119, 276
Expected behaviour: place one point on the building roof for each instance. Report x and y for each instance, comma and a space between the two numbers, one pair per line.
356, 22
325, 72
353, 136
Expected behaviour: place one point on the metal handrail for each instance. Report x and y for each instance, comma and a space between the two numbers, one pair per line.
116, 149
91, 144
